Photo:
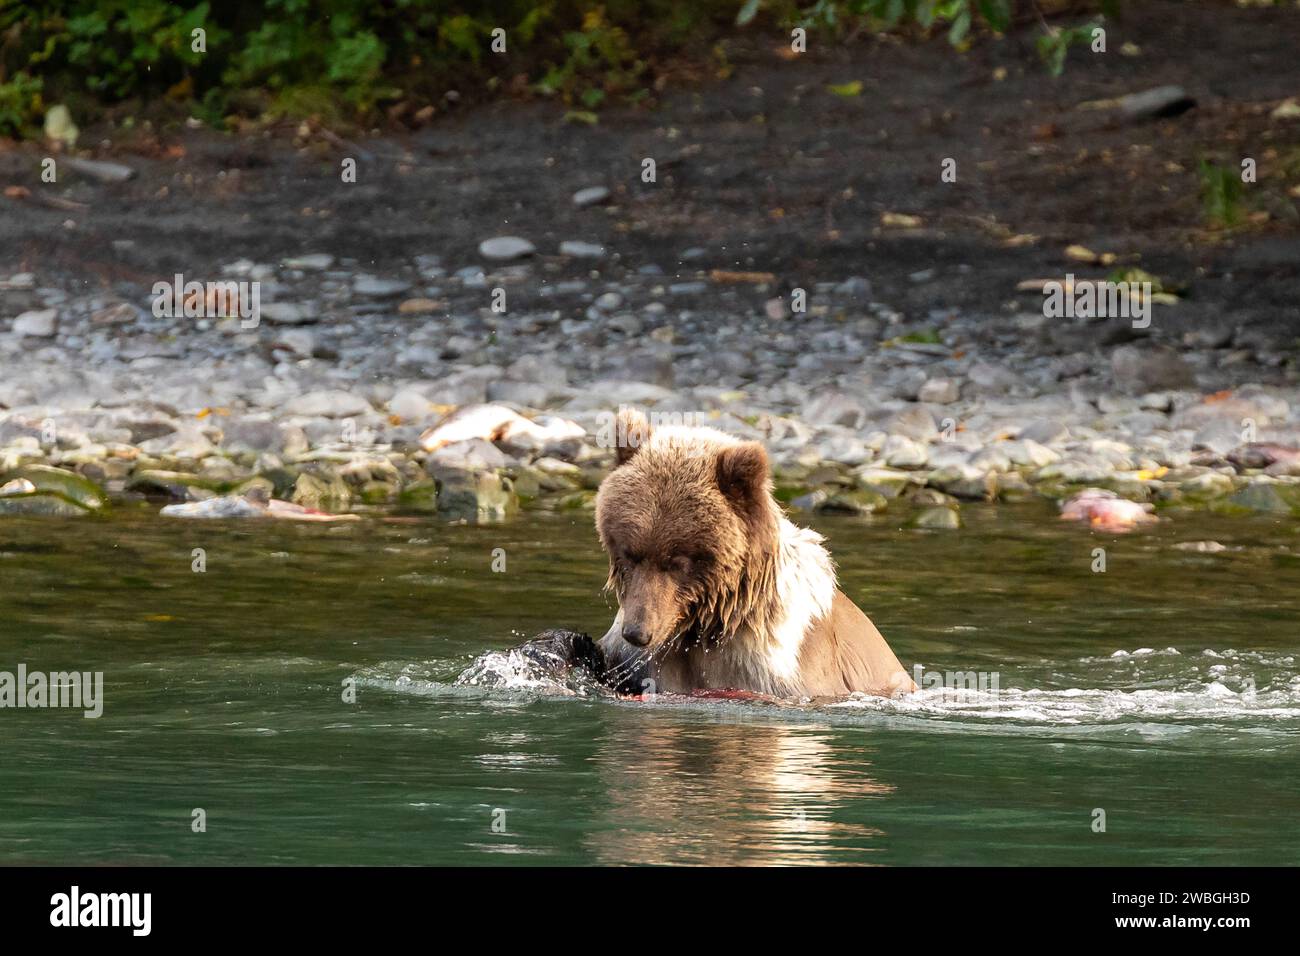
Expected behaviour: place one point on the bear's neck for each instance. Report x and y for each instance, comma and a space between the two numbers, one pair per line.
785, 592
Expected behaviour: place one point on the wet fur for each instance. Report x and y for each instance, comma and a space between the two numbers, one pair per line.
728, 592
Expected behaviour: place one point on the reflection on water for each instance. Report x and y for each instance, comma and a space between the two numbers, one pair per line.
1166, 690
729, 794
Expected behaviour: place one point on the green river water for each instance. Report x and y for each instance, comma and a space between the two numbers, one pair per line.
224, 692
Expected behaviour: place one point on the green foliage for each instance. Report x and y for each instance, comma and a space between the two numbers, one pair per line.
957, 17
1220, 194
463, 35
362, 52
1055, 44
356, 55
296, 46
115, 47
20, 104
599, 60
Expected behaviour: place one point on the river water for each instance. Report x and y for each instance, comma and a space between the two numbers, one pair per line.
1161, 697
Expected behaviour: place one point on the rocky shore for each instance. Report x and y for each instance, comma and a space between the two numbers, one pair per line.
332, 401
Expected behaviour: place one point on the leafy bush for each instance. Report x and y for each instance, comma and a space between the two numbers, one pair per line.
599, 60
114, 47
360, 54
1220, 193
1054, 44
20, 104
956, 17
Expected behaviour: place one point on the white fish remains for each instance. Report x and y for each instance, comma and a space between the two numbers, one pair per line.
496, 423
1106, 511
237, 506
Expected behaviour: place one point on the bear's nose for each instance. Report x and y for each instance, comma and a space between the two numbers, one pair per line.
633, 634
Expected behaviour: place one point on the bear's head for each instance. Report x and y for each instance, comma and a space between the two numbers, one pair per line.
691, 529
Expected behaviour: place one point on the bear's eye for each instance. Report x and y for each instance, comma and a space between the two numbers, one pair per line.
631, 558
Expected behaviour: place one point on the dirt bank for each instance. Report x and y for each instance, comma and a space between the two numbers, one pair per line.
764, 170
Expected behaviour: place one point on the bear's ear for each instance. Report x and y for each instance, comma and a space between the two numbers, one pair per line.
631, 432
742, 475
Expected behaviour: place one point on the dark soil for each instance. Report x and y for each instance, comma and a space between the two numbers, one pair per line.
766, 170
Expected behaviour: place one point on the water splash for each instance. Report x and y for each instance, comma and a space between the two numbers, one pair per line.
531, 670
1151, 691
1243, 690
1213, 702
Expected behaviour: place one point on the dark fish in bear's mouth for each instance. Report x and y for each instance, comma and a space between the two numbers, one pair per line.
570, 662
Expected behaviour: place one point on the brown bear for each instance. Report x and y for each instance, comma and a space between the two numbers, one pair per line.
717, 590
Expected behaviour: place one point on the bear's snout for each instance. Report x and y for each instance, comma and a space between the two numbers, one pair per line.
635, 634
650, 602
